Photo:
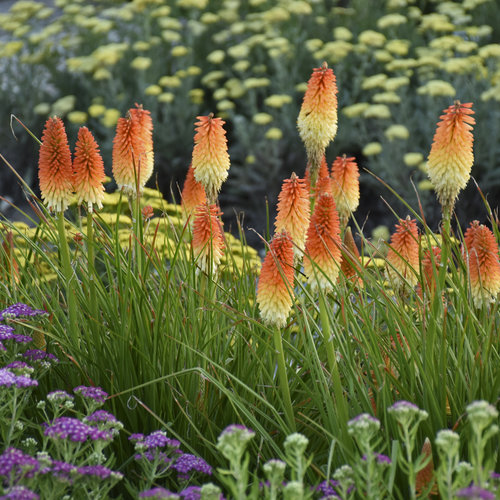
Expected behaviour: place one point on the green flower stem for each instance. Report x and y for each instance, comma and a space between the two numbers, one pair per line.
91, 267
332, 362
412, 475
283, 378
69, 277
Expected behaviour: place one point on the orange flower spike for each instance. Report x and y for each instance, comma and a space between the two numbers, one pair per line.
323, 186
145, 129
451, 157
88, 170
323, 245
208, 238
317, 120
210, 156
345, 186
430, 268
193, 193
55, 171
484, 265
275, 288
294, 212
425, 477
402, 257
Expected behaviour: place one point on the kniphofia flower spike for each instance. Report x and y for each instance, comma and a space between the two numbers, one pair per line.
193, 193
55, 171
88, 170
345, 186
275, 289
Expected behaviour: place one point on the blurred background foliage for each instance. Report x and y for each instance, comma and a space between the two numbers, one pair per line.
398, 64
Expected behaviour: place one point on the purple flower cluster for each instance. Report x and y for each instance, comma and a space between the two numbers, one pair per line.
191, 493
9, 379
14, 464
75, 430
98, 471
39, 355
101, 417
95, 393
327, 488
474, 492
381, 459
157, 494
18, 310
187, 463
157, 439
20, 493
7, 333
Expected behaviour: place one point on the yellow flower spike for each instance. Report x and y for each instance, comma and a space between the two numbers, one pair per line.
345, 186
210, 157
317, 121
402, 257
450, 159
294, 212
483, 264
322, 258
275, 288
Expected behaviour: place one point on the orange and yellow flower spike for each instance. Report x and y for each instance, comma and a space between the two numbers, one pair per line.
402, 257
133, 151
425, 480
450, 159
88, 170
322, 257
208, 238
210, 156
345, 186
193, 194
294, 212
317, 120
275, 288
55, 171
430, 269
483, 264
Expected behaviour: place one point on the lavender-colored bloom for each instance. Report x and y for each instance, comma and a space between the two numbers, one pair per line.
62, 471
18, 310
39, 355
15, 464
156, 439
18, 365
59, 397
20, 493
191, 493
101, 416
75, 430
187, 463
99, 471
495, 475
398, 405
95, 393
7, 333
474, 492
327, 488
8, 379
381, 459
157, 494
136, 437
23, 381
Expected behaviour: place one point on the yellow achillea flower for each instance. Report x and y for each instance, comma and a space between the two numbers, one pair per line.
208, 238
55, 171
483, 264
88, 170
317, 121
345, 186
133, 151
294, 211
322, 256
450, 159
193, 193
402, 257
275, 288
210, 156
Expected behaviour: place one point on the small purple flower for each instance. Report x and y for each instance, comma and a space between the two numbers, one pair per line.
7, 333
99, 471
63, 471
191, 493
75, 430
95, 393
17, 365
39, 355
59, 397
157, 494
136, 437
101, 416
474, 492
20, 493
8, 379
18, 310
381, 459
187, 463
404, 404
156, 439
14, 464
327, 488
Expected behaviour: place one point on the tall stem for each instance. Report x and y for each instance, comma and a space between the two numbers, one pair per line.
283, 378
91, 266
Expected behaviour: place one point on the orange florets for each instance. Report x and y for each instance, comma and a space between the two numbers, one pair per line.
193, 193
345, 185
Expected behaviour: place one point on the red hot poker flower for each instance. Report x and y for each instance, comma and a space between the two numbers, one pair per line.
193, 193
275, 289
55, 171
345, 186
88, 170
